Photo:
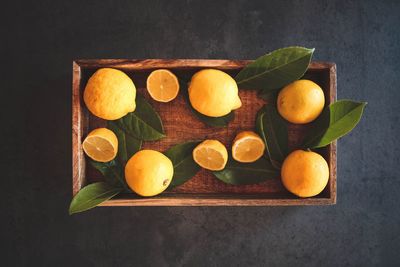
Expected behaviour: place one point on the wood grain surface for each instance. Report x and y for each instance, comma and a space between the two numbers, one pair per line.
181, 125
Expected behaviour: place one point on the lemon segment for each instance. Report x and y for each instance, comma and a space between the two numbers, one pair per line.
305, 173
162, 85
213, 93
101, 145
301, 101
211, 155
110, 94
149, 172
247, 147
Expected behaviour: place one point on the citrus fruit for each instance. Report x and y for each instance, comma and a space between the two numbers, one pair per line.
213, 93
211, 155
162, 85
148, 172
110, 94
301, 101
247, 147
101, 145
305, 173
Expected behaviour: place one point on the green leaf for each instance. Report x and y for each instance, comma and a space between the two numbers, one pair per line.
112, 171
260, 125
273, 130
144, 123
276, 69
335, 122
268, 95
92, 195
317, 128
214, 121
211, 121
184, 165
247, 173
127, 144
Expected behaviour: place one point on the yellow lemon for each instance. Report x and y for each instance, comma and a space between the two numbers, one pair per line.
110, 94
211, 155
162, 85
148, 172
305, 173
101, 145
213, 93
301, 101
247, 147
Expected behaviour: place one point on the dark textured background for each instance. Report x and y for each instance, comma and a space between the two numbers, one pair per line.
40, 39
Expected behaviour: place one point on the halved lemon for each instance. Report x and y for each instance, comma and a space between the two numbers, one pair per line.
101, 145
211, 155
247, 147
162, 85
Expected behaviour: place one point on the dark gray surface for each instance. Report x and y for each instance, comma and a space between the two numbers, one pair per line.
39, 42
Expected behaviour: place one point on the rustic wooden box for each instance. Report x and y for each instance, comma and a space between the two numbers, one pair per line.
180, 125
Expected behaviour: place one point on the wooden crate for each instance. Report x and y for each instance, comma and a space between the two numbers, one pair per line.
181, 125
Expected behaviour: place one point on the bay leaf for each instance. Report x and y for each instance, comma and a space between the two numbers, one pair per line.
214, 121
144, 123
260, 125
273, 130
222, 121
339, 119
128, 145
184, 165
237, 173
113, 172
92, 195
276, 69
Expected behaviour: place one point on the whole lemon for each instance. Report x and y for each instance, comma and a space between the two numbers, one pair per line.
148, 172
213, 93
301, 101
110, 94
305, 173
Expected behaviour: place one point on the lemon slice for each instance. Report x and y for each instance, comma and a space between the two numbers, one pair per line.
247, 147
101, 145
162, 85
211, 155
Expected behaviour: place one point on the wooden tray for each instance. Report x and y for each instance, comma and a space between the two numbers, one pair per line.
180, 125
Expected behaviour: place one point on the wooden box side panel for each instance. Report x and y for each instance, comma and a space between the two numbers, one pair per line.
196, 200
333, 146
79, 120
